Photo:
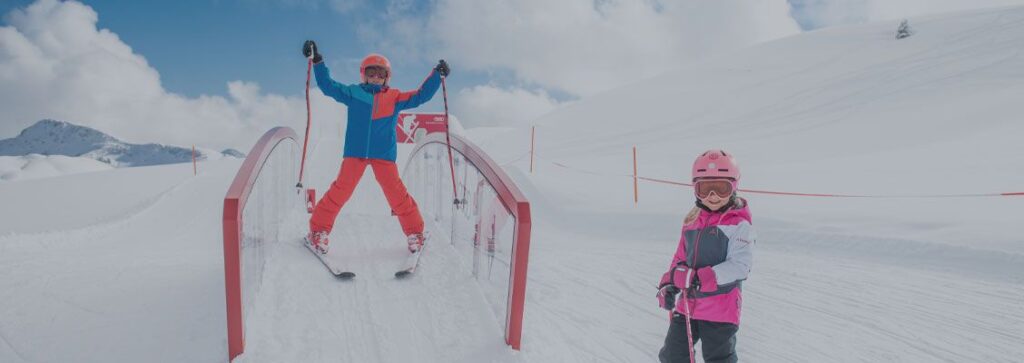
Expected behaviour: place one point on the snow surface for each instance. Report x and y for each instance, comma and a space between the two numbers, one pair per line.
126, 265
121, 265
842, 110
302, 313
35, 166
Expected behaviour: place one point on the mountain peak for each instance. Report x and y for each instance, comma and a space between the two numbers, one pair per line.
48, 126
52, 137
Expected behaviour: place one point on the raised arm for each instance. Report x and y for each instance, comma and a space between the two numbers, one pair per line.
407, 100
411, 99
335, 90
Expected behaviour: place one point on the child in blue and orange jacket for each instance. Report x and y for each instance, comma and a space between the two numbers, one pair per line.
370, 140
712, 259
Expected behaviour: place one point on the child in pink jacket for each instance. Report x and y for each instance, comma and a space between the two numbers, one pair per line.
702, 287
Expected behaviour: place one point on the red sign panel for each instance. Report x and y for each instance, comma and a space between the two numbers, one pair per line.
409, 123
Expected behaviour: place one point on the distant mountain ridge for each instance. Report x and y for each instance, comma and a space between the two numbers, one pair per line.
51, 137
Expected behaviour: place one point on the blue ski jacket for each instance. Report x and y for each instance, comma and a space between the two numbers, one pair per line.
373, 112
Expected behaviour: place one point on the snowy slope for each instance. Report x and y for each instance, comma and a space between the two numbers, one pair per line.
126, 264
34, 166
843, 110
304, 314
119, 265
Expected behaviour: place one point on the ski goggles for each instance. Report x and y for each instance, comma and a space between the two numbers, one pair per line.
376, 72
721, 187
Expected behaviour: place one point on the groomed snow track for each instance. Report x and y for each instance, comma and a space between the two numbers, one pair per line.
296, 311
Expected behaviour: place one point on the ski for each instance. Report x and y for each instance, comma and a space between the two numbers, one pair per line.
333, 266
409, 265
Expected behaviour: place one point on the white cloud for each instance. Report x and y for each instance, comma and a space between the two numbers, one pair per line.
492, 106
582, 46
55, 63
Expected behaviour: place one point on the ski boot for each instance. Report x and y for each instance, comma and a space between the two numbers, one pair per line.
416, 241
318, 240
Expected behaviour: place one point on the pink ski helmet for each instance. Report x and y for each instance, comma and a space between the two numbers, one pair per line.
716, 163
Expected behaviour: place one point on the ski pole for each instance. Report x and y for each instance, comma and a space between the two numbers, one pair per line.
686, 308
448, 140
686, 290
309, 117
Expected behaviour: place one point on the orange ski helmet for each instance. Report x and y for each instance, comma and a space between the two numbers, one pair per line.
375, 60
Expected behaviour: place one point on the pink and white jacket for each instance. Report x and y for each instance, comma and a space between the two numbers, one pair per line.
724, 245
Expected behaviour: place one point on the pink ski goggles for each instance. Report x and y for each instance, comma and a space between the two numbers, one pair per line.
721, 187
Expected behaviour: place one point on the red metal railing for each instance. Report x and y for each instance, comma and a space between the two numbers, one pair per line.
234, 203
511, 198
516, 204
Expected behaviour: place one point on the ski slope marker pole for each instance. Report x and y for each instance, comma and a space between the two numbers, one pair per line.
448, 140
302, 165
533, 131
194, 171
636, 186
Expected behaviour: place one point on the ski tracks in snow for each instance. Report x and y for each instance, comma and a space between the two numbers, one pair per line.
814, 307
438, 314
144, 277
591, 299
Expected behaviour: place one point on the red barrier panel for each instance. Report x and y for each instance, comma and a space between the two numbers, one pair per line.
515, 202
234, 203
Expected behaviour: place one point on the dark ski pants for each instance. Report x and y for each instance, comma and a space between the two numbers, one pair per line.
718, 341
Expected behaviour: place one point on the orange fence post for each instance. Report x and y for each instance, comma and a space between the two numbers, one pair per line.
636, 187
533, 130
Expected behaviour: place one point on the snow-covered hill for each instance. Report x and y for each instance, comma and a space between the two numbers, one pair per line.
34, 166
844, 110
127, 264
50, 137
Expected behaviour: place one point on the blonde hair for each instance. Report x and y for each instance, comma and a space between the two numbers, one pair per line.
692, 216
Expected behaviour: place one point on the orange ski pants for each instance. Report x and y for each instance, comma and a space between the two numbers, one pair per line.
386, 172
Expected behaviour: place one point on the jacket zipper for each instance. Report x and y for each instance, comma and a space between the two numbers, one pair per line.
696, 248
369, 125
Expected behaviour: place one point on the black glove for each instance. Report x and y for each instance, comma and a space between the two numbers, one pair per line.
309, 48
442, 68
667, 297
